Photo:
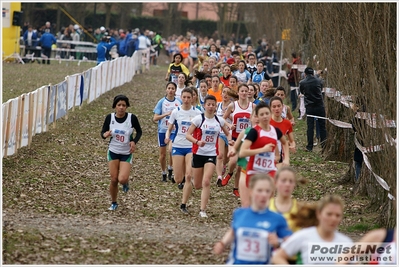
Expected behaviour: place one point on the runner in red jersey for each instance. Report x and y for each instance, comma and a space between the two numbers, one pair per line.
240, 113
260, 144
285, 126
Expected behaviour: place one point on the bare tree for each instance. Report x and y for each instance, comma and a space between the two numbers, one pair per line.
227, 14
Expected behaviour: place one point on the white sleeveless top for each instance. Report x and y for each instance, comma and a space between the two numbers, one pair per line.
120, 133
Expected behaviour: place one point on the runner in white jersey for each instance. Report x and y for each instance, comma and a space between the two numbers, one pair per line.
182, 148
119, 126
222, 159
240, 112
181, 84
204, 134
328, 215
162, 111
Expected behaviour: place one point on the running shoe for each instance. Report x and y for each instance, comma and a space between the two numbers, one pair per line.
164, 178
180, 186
125, 187
114, 206
226, 179
184, 209
170, 174
203, 214
235, 192
219, 182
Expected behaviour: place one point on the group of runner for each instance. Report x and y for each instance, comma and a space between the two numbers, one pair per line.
217, 122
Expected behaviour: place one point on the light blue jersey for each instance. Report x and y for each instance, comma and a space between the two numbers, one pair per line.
251, 231
163, 106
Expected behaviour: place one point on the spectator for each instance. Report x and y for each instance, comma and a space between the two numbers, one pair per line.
75, 38
103, 48
30, 39
293, 80
144, 42
159, 45
66, 37
132, 45
46, 41
248, 40
122, 45
311, 88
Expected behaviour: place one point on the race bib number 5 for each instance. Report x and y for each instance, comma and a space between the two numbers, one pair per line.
252, 245
184, 127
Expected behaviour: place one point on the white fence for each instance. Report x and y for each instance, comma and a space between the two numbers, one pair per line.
32, 113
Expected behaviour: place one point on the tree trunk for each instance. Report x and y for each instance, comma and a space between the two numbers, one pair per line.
108, 7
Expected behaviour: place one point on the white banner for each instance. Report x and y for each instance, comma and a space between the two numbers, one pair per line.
86, 83
11, 149
381, 181
61, 100
25, 122
33, 108
39, 109
4, 109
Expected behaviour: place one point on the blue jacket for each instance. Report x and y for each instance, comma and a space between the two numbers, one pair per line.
122, 47
103, 48
34, 38
47, 40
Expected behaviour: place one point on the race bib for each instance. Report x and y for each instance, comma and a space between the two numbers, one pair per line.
184, 127
242, 124
264, 162
173, 78
165, 122
252, 245
210, 136
120, 136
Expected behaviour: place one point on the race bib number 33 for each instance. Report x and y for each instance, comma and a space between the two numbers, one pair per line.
252, 245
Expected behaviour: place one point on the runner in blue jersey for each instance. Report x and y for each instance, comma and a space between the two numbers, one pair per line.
162, 111
255, 230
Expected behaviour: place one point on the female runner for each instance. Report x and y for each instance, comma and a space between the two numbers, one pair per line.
283, 203
120, 127
162, 111
260, 145
252, 229
240, 111
182, 148
242, 74
175, 68
243, 162
285, 126
195, 101
329, 214
203, 92
215, 90
203, 133
181, 84
286, 113
222, 158
252, 97
233, 83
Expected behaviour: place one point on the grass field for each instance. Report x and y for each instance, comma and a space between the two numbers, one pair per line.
55, 194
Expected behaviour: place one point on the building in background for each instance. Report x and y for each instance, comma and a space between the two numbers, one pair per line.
191, 11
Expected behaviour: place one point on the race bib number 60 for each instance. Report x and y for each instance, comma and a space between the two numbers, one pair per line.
242, 124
